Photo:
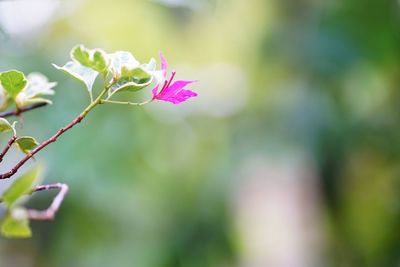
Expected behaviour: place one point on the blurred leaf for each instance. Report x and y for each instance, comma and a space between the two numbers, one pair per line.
22, 186
4, 101
82, 73
38, 85
26, 143
95, 59
16, 224
5, 126
13, 82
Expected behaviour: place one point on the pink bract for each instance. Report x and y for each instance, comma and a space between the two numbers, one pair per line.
175, 92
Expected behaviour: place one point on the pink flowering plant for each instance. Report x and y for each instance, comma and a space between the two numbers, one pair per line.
175, 92
120, 72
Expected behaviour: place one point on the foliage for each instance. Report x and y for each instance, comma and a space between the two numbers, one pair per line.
120, 72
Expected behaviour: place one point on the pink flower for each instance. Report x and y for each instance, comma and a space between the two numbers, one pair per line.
175, 92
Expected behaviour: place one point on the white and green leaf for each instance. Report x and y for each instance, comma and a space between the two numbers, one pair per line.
80, 72
158, 75
131, 80
37, 85
95, 59
122, 60
151, 66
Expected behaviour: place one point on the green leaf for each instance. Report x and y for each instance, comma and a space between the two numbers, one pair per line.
16, 224
38, 85
26, 143
5, 126
95, 59
80, 54
13, 82
82, 73
22, 186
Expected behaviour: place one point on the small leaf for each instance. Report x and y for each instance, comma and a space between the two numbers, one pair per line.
5, 126
158, 75
122, 60
22, 186
127, 84
131, 80
95, 59
16, 224
138, 74
13, 82
38, 85
82, 73
151, 66
80, 54
26, 143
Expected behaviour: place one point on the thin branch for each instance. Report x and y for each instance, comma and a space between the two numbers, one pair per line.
126, 102
8, 146
40, 147
18, 112
50, 212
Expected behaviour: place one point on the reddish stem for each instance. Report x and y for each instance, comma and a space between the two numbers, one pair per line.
18, 111
8, 146
50, 212
41, 146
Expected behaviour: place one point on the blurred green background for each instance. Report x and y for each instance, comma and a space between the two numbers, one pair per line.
288, 157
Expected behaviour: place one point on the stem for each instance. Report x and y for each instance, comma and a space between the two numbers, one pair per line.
56, 135
125, 103
8, 146
18, 112
50, 212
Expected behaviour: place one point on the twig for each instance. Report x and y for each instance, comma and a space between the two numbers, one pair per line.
18, 112
8, 146
50, 212
125, 102
40, 147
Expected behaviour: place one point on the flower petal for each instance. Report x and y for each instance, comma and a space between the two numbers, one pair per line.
180, 97
163, 64
154, 91
174, 88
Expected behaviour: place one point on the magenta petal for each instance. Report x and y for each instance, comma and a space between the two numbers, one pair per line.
180, 97
163, 64
154, 91
183, 95
174, 88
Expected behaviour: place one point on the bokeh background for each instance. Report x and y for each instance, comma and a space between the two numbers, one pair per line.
289, 157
